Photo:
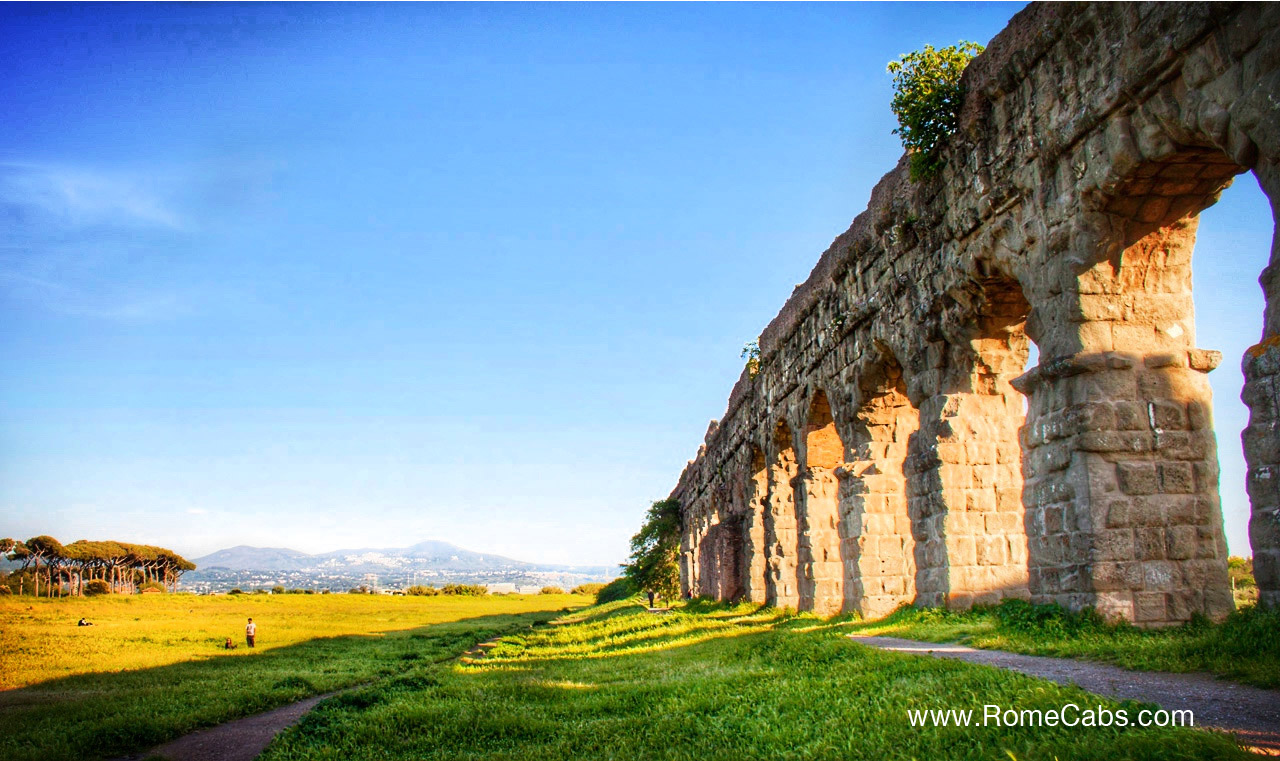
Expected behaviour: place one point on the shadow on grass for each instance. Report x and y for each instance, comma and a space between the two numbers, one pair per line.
106, 714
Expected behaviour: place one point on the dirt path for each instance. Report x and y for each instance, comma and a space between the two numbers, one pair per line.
1249, 713
239, 740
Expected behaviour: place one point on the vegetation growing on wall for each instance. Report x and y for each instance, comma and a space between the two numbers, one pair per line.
751, 353
926, 99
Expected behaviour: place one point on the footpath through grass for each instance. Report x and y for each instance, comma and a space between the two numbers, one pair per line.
152, 668
1244, 648
708, 682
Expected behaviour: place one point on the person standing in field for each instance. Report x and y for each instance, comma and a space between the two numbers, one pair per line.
250, 632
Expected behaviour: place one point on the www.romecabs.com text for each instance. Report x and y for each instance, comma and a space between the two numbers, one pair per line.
1069, 715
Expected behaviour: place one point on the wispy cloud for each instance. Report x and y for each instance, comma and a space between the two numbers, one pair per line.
72, 240
80, 198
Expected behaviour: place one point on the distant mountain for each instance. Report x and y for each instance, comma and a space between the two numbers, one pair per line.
244, 557
424, 556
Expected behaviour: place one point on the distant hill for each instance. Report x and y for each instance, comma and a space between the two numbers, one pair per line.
248, 558
424, 556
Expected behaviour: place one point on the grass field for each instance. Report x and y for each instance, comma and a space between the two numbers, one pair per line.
706, 682
1244, 648
152, 668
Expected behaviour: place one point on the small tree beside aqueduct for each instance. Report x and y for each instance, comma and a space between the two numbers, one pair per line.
890, 445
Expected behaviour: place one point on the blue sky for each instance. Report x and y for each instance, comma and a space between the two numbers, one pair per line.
324, 276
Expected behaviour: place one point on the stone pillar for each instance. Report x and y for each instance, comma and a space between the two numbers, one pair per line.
1261, 439
710, 558
1121, 472
821, 567
975, 438
980, 496
822, 570
781, 523
687, 552
880, 566
1261, 365
756, 560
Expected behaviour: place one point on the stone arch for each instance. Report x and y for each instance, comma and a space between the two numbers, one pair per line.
781, 521
820, 554
881, 535
1123, 465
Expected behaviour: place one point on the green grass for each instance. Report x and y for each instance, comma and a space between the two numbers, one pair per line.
706, 682
151, 669
1244, 648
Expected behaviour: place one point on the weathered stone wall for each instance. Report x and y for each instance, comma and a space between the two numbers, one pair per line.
882, 454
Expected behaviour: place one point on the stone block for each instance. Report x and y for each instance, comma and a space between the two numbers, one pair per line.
1106, 386
1114, 545
1009, 500
1150, 607
1115, 441
1169, 416
1091, 416
1110, 576
1181, 510
1181, 542
980, 452
1137, 477
952, 452
1176, 478
1118, 514
1149, 543
1001, 523
992, 551
1132, 337
1115, 606
1205, 477
1051, 519
1182, 603
1130, 416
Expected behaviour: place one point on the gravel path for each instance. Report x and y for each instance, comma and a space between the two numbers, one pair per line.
239, 740
1250, 713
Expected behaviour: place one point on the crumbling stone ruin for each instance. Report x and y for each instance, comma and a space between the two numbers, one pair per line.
892, 448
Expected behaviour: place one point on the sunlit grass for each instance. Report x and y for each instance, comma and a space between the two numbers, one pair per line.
1245, 647
152, 668
705, 682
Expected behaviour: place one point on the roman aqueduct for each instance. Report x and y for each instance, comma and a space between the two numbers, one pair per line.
892, 447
